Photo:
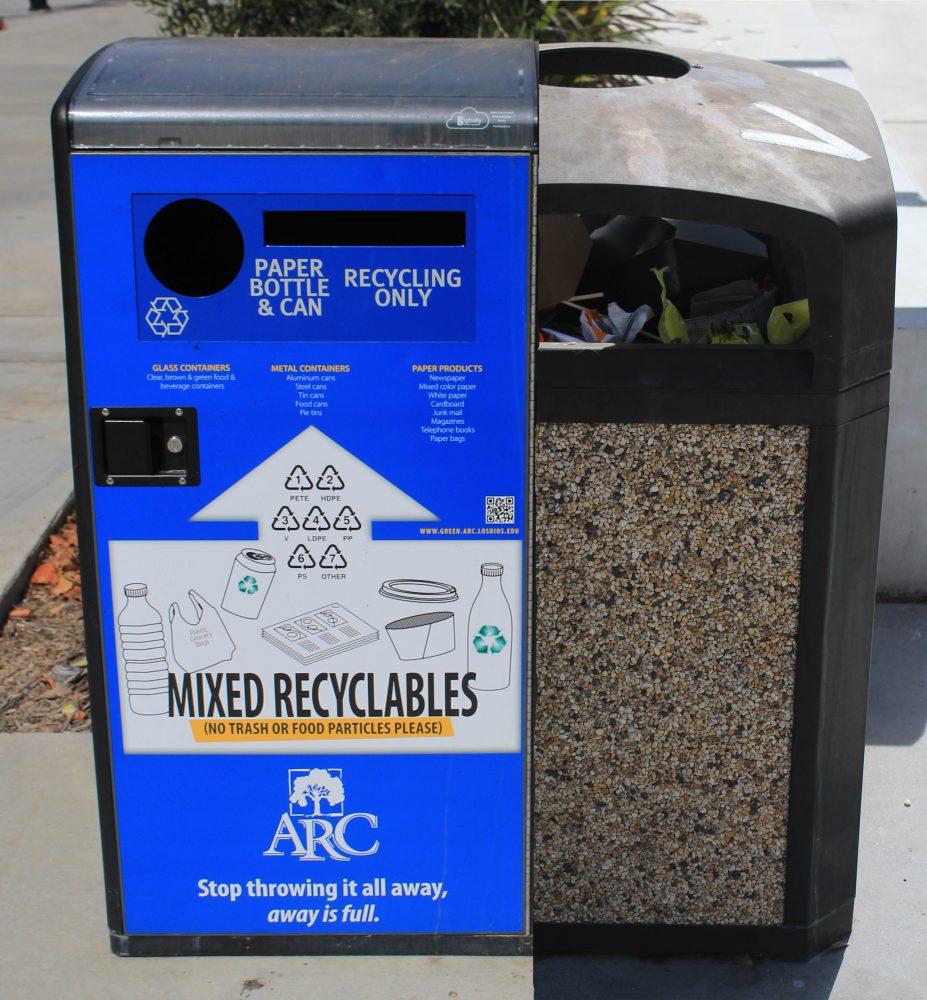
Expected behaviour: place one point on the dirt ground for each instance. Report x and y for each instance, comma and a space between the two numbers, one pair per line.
43, 669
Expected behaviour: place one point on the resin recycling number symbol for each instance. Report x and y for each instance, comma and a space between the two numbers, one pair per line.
489, 639
301, 558
347, 520
166, 317
316, 520
285, 520
333, 558
330, 479
298, 479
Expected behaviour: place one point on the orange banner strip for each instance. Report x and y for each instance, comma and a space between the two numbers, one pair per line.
261, 730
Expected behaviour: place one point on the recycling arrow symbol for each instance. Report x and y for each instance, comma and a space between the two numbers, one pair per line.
166, 316
285, 520
347, 520
316, 520
298, 479
301, 558
330, 479
333, 558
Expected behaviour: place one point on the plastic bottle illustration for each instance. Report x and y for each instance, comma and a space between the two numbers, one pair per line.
489, 636
144, 655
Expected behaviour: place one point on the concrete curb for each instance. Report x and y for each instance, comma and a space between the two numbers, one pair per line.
15, 586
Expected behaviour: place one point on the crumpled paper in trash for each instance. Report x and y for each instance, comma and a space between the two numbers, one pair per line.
618, 327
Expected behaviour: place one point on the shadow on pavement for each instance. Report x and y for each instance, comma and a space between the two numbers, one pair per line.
898, 679
606, 978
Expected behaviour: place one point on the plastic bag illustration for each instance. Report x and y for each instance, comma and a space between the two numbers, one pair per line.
202, 643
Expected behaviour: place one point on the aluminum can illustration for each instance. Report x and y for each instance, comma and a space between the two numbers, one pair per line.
249, 581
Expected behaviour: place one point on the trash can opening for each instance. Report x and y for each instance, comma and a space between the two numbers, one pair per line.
611, 66
194, 247
630, 281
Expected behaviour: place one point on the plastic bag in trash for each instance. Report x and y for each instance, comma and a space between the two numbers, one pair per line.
754, 311
788, 322
672, 326
627, 326
737, 333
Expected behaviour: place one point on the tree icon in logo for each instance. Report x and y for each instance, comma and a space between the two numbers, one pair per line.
248, 585
489, 639
316, 786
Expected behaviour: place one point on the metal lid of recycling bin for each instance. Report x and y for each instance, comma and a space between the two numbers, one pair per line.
715, 138
309, 93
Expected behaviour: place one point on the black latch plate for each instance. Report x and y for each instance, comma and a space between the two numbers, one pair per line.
145, 446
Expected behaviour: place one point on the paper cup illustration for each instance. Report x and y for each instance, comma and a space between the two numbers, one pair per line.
422, 636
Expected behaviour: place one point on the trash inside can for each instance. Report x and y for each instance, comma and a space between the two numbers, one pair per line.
297, 282
708, 487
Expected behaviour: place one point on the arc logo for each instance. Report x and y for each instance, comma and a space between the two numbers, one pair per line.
315, 826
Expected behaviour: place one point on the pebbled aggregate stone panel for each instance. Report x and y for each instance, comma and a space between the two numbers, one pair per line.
667, 588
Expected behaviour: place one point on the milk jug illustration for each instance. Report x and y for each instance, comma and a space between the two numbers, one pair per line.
144, 655
489, 636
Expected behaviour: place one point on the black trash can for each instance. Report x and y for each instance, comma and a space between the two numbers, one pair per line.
707, 512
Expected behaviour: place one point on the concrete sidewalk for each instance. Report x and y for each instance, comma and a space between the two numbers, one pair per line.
55, 943
38, 54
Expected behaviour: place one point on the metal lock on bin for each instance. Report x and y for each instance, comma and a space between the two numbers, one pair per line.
708, 512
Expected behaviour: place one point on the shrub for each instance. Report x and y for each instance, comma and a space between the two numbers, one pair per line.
545, 20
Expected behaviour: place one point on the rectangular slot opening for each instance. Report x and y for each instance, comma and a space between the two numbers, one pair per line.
365, 229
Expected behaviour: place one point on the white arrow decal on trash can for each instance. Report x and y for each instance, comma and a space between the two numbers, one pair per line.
824, 141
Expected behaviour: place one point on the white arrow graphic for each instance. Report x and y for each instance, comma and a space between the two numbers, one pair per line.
824, 141
258, 496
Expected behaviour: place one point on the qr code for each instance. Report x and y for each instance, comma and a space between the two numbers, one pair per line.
500, 510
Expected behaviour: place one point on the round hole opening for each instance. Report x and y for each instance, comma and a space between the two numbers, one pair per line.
194, 247
607, 66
